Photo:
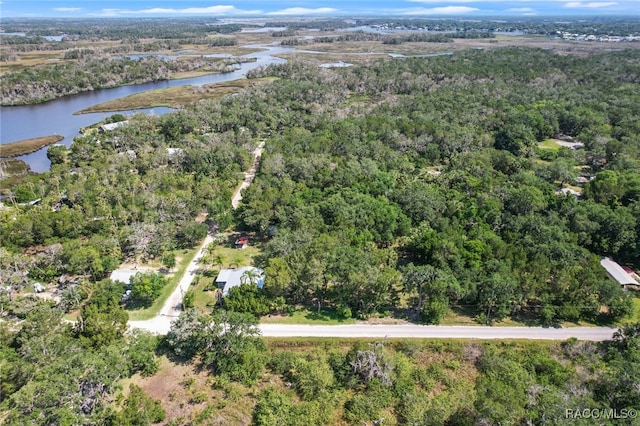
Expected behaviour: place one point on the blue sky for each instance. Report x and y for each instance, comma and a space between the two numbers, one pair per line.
228, 8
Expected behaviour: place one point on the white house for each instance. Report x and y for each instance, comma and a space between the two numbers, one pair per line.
617, 273
123, 275
229, 278
111, 126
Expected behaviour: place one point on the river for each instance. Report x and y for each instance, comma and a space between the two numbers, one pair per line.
56, 117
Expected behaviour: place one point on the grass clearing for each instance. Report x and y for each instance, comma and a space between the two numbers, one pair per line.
550, 144
326, 316
191, 395
635, 318
175, 97
184, 257
27, 146
190, 74
205, 297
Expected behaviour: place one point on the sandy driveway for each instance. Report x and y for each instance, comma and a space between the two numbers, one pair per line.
248, 176
171, 309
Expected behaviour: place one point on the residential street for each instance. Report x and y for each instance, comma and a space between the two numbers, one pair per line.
433, 331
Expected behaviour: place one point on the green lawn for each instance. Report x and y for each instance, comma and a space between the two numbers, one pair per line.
636, 314
327, 316
184, 257
549, 144
204, 297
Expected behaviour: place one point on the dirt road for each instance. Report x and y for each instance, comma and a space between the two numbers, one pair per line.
171, 309
248, 176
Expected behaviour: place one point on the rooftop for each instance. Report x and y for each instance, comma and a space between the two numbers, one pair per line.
123, 275
229, 278
616, 272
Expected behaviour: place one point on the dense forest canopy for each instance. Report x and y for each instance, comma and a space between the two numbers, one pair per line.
416, 180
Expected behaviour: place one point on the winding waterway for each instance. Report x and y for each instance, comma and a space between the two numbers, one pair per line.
56, 117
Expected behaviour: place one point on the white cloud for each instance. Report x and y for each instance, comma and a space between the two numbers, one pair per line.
444, 1
67, 9
591, 5
107, 13
303, 11
446, 10
521, 10
209, 10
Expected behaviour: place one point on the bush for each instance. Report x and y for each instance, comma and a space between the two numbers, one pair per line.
146, 288
247, 298
139, 409
141, 353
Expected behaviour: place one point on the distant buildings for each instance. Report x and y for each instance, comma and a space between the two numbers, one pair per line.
111, 126
591, 37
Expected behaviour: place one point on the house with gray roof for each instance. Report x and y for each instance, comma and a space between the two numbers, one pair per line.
229, 278
124, 275
618, 274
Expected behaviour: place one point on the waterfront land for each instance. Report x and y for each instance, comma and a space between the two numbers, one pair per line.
175, 97
27, 146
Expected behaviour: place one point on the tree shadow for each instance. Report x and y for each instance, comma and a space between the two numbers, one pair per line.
162, 348
326, 314
137, 304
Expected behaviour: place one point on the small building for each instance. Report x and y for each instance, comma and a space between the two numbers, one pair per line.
242, 242
229, 278
38, 288
124, 275
111, 126
618, 274
569, 192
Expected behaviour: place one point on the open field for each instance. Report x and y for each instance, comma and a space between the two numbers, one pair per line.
174, 97
30, 59
27, 146
549, 144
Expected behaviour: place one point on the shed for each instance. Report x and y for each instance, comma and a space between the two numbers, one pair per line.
229, 278
618, 274
242, 242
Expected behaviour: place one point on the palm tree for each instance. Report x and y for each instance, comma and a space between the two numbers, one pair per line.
250, 276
